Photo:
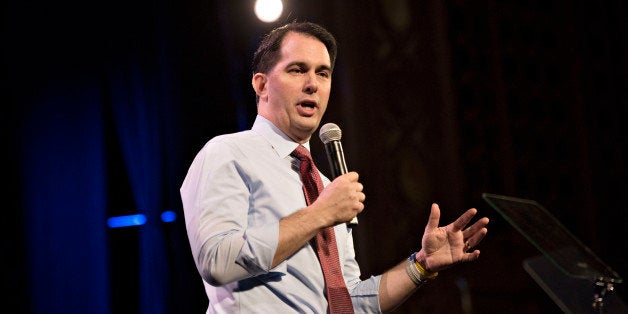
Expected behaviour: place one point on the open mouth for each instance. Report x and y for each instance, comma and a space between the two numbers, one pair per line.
307, 108
308, 104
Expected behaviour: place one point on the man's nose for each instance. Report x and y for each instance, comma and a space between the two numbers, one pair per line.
311, 83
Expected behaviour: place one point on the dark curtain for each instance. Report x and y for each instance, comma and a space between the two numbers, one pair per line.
140, 106
86, 82
62, 168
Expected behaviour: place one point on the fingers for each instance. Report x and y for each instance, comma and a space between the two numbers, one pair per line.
356, 189
473, 235
361, 197
474, 228
352, 176
464, 219
471, 256
475, 239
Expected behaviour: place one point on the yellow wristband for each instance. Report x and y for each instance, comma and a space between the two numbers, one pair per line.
422, 271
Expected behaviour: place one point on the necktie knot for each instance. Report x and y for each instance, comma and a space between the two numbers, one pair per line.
302, 153
312, 184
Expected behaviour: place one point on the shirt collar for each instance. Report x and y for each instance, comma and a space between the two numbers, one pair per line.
282, 144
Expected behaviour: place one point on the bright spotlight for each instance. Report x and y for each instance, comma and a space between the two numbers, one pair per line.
268, 10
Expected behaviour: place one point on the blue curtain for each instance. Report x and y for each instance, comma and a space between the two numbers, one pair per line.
140, 103
64, 177
64, 197
61, 99
71, 68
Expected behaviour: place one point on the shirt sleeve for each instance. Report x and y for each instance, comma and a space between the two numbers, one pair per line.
215, 198
364, 293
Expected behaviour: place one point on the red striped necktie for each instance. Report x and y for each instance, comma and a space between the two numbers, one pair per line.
325, 241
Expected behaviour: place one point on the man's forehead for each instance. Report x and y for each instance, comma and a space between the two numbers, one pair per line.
298, 44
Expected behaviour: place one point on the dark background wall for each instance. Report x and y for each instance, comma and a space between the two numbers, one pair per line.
105, 105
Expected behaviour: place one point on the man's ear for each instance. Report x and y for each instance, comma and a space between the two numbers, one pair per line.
259, 84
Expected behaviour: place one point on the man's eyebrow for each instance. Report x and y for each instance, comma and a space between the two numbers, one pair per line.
305, 65
297, 63
325, 68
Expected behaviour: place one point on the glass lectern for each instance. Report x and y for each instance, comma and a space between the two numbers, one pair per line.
567, 270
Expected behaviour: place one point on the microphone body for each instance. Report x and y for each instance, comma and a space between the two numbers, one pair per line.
336, 158
330, 135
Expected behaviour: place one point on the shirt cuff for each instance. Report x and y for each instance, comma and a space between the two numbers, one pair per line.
258, 251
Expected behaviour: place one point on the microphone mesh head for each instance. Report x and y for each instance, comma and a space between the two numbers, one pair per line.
330, 132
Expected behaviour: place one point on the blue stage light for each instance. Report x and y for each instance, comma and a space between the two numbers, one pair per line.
168, 216
126, 221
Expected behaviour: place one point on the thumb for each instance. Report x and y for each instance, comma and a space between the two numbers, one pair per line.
433, 220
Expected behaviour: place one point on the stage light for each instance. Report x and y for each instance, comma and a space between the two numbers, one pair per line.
268, 10
168, 216
126, 221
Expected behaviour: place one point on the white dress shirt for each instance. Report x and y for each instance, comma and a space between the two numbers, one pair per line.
236, 190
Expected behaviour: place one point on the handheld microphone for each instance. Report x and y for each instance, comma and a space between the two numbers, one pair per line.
330, 135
